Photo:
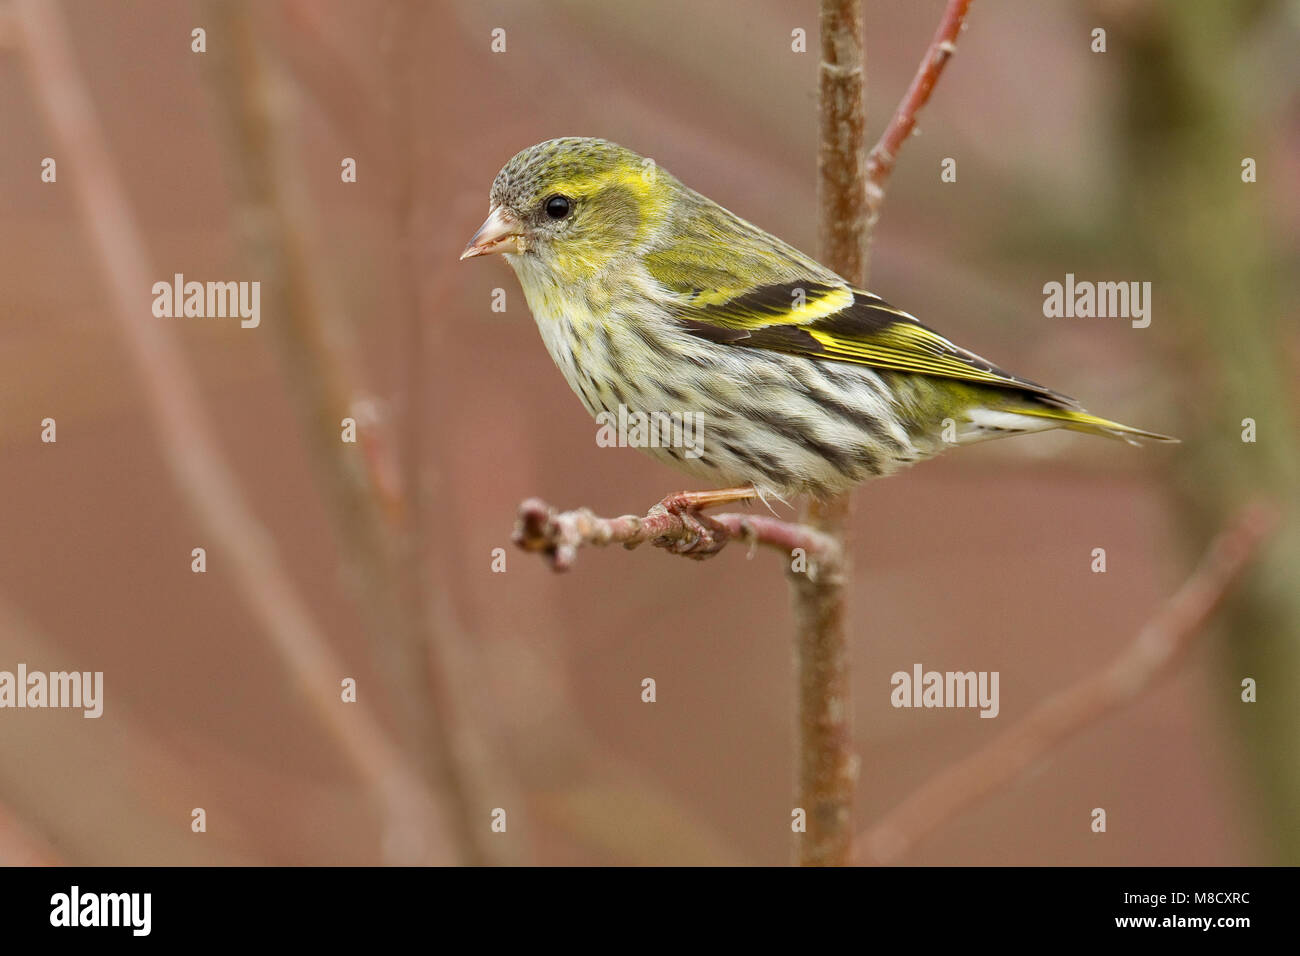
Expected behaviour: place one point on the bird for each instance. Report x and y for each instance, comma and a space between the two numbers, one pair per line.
653, 298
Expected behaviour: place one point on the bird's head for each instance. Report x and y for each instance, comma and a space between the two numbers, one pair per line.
571, 206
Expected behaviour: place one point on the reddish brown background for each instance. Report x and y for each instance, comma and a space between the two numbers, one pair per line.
979, 560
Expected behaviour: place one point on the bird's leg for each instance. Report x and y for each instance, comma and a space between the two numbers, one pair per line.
709, 536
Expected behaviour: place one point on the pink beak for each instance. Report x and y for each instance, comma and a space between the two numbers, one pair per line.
499, 233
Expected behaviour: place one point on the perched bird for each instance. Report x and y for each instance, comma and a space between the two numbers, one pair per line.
653, 297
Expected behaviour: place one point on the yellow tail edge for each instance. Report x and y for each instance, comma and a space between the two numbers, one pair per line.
1077, 420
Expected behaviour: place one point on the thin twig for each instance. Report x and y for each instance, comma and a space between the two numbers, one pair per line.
1159, 645
558, 535
880, 163
415, 830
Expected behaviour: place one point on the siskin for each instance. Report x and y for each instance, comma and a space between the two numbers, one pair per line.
653, 297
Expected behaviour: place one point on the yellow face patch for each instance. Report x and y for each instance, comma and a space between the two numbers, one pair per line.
637, 182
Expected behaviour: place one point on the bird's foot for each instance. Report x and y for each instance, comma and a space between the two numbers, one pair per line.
707, 537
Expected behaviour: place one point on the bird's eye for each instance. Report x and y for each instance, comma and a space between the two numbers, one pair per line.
557, 207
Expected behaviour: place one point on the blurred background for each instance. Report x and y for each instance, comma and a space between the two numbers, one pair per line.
521, 690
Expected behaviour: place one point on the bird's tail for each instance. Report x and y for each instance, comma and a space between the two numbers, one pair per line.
1077, 420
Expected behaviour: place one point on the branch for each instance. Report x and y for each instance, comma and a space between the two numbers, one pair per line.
415, 827
1158, 646
880, 163
558, 535
364, 496
850, 191
827, 769
843, 224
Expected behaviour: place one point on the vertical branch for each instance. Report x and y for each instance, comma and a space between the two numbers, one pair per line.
323, 380
826, 767
843, 226
850, 190
404, 38
401, 34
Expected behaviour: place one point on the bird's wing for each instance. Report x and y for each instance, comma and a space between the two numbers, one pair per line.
829, 320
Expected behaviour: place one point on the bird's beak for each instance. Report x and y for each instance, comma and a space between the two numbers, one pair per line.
500, 232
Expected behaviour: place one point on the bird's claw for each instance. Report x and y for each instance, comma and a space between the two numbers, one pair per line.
707, 537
